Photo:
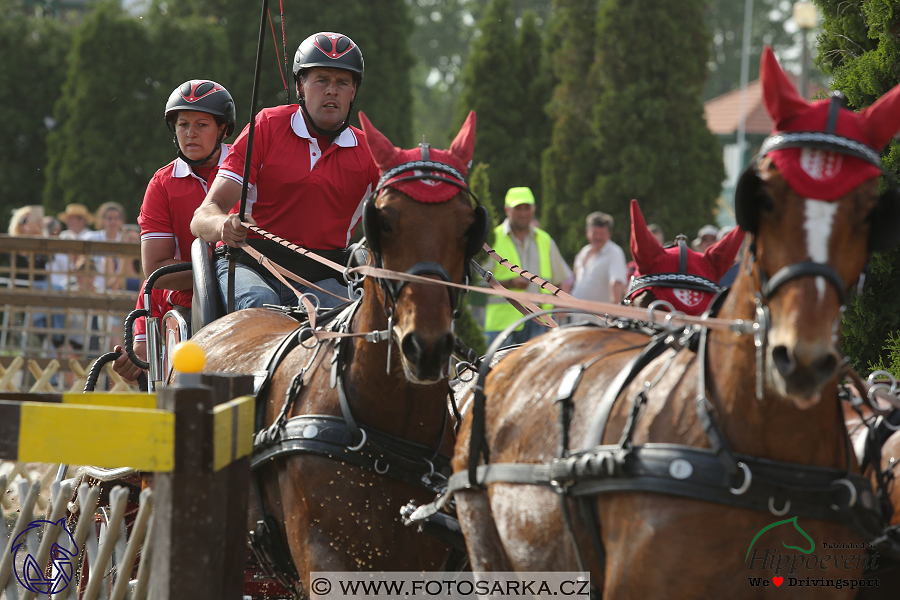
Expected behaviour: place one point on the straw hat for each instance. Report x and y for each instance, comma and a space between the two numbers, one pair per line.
77, 210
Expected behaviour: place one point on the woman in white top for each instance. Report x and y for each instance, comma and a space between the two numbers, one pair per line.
110, 218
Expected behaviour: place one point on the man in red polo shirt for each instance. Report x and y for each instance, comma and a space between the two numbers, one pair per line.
309, 176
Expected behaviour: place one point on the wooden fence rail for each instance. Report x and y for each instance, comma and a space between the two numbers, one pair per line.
61, 315
197, 440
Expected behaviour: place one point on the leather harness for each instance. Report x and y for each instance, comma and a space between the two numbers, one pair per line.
714, 474
339, 438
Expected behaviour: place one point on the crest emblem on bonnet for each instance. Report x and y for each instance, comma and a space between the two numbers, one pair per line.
820, 164
688, 297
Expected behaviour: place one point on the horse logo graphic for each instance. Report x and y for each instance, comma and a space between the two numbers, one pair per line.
30, 574
793, 521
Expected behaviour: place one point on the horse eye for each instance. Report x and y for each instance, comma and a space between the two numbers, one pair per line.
384, 226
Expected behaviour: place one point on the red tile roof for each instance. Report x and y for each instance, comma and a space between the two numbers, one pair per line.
722, 113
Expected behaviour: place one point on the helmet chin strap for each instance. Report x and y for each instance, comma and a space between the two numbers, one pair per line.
197, 163
319, 130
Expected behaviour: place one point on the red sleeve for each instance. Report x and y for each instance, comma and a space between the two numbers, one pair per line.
234, 162
155, 216
139, 331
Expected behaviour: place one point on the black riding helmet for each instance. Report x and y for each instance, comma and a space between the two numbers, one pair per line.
201, 95
331, 51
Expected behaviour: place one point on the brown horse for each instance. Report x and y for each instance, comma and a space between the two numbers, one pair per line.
703, 451
864, 434
335, 513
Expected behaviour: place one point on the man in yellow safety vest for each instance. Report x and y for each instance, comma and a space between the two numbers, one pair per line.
519, 241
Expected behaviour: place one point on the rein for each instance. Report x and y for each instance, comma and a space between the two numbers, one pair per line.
738, 326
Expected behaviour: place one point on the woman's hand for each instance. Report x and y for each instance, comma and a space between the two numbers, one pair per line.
126, 369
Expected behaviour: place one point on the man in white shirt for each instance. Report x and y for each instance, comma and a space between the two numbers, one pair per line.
600, 267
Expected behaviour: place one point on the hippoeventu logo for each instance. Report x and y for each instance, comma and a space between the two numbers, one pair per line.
63, 552
804, 558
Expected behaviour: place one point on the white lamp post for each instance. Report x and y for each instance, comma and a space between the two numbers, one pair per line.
806, 16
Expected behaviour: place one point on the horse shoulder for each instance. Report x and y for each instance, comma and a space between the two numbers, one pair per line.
668, 414
521, 389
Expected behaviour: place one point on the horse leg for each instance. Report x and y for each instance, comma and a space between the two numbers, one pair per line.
486, 551
530, 524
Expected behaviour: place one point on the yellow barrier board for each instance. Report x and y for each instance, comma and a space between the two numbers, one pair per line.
232, 431
139, 438
125, 400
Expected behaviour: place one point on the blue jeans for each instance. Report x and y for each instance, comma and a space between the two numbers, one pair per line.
57, 320
528, 331
253, 290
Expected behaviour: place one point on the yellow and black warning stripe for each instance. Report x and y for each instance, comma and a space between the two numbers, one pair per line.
232, 431
89, 432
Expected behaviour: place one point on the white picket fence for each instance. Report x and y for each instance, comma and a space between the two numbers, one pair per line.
110, 556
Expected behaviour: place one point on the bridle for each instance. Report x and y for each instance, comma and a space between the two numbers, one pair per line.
748, 198
682, 279
424, 169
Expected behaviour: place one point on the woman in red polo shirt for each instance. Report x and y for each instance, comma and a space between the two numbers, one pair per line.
201, 114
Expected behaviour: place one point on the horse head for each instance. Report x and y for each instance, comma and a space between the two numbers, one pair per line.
811, 203
421, 221
686, 279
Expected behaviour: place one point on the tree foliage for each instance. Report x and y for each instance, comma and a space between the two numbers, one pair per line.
507, 86
568, 163
29, 87
493, 92
440, 42
860, 49
653, 142
381, 29
111, 136
725, 19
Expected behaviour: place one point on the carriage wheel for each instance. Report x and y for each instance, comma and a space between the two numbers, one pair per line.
175, 330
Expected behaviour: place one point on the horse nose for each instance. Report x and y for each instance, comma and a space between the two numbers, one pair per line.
805, 366
428, 356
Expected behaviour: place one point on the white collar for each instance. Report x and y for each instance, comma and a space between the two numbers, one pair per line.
347, 139
182, 169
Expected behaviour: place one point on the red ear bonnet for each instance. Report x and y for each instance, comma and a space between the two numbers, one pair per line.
720, 256
459, 157
645, 248
818, 173
653, 259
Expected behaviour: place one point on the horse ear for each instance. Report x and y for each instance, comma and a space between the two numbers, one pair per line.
720, 256
644, 246
383, 151
782, 100
881, 121
463, 145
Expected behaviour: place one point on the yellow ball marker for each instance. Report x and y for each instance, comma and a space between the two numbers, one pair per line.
188, 357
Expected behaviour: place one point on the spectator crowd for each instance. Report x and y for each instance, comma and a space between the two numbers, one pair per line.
72, 272
600, 270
